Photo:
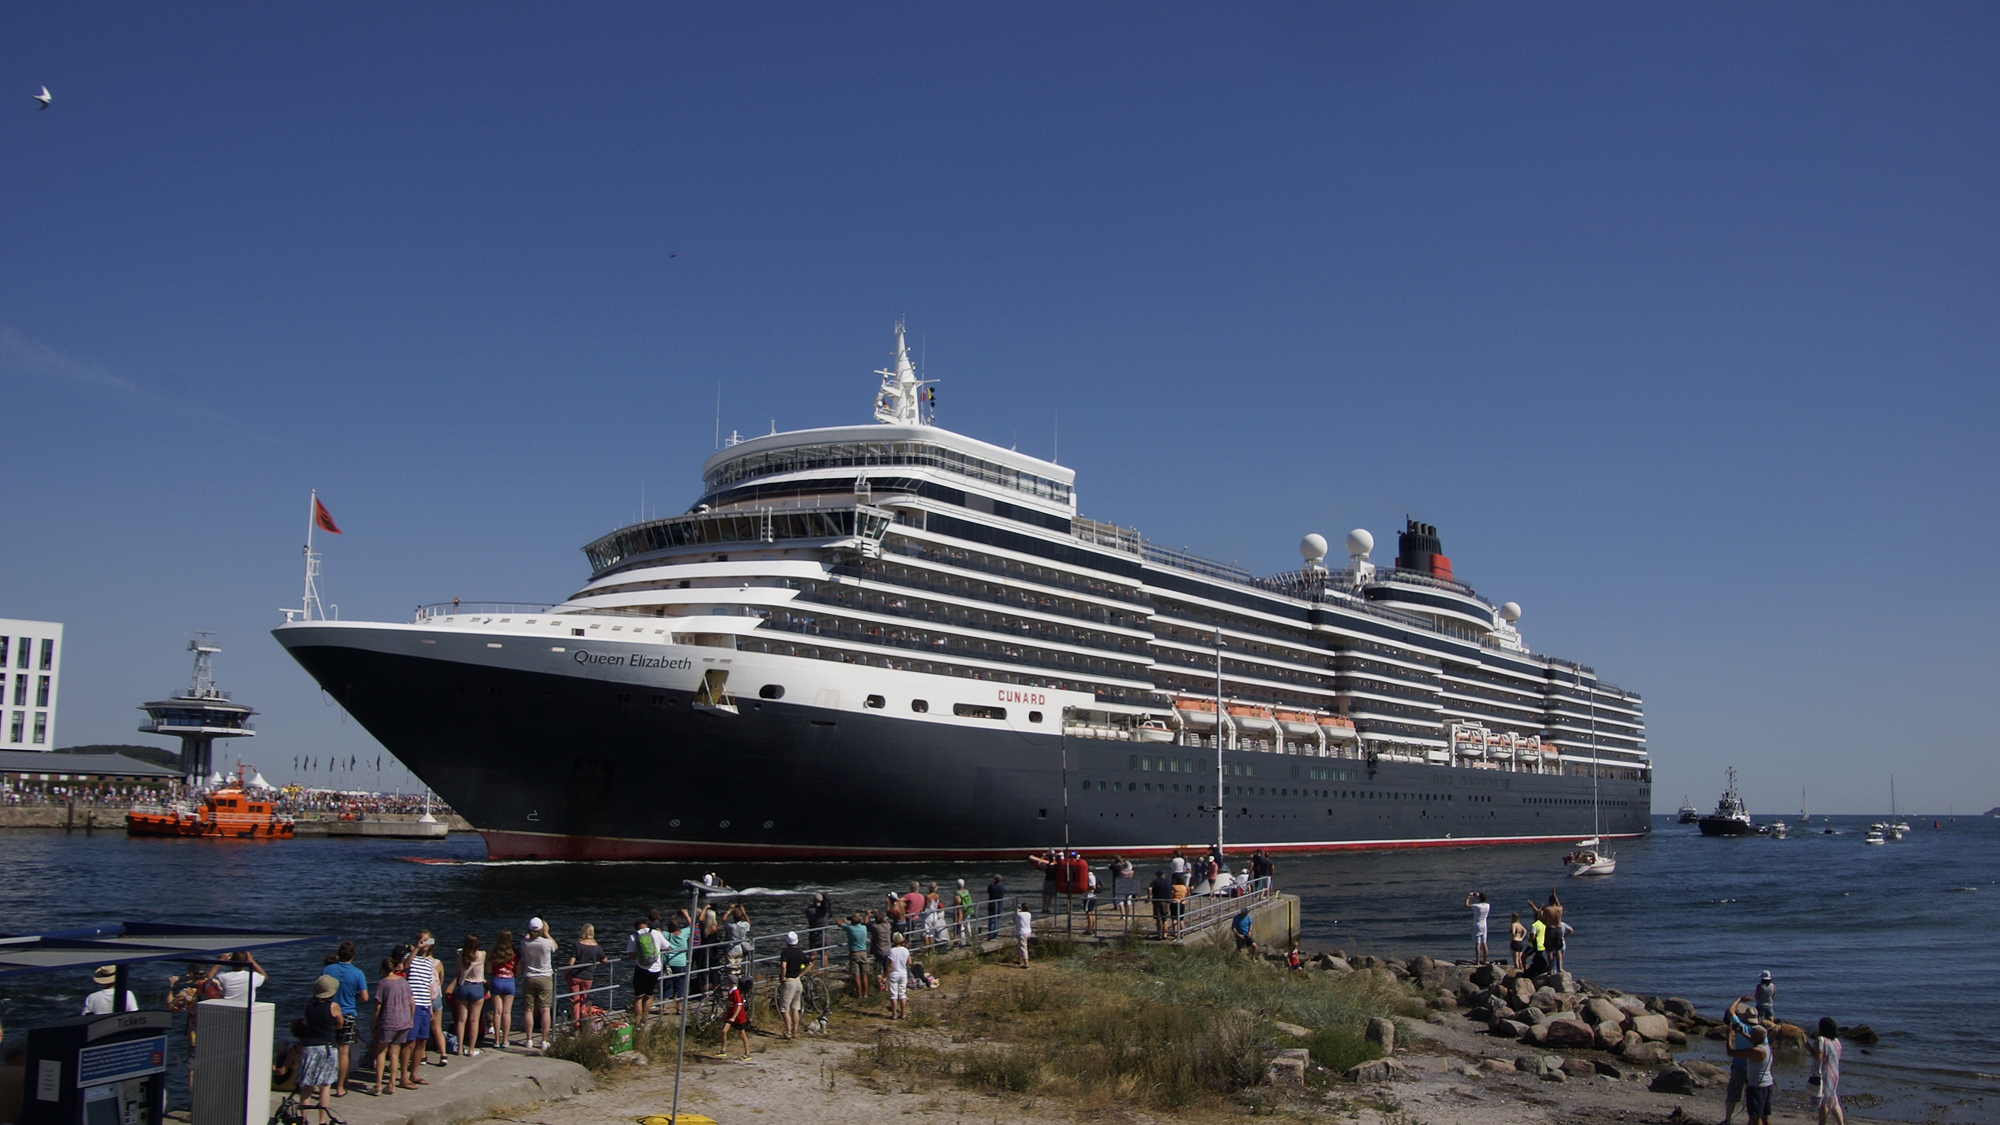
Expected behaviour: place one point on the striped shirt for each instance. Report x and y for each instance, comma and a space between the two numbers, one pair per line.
423, 978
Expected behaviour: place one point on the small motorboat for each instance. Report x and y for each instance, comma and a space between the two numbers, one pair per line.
1875, 835
1155, 730
236, 811
1688, 814
1778, 830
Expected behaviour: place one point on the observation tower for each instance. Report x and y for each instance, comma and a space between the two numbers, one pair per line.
199, 715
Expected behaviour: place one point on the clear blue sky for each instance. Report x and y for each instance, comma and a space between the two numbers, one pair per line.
1678, 320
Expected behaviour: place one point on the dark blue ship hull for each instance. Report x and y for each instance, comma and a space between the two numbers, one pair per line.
552, 766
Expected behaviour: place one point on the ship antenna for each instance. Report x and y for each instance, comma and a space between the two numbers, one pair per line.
718, 414
899, 402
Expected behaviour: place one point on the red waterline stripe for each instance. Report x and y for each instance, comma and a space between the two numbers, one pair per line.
529, 845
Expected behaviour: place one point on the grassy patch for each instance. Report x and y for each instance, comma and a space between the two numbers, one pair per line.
1337, 1048
588, 1049
1165, 1028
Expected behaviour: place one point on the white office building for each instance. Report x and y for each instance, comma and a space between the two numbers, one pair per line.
30, 675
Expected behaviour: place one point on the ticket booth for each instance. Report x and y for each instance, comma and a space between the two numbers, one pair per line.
97, 1070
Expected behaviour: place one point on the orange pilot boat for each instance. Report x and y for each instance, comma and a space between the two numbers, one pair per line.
232, 812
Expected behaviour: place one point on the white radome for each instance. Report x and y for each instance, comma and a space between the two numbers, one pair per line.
1313, 548
1510, 612
1359, 542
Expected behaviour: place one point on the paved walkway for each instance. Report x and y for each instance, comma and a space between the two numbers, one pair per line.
495, 1083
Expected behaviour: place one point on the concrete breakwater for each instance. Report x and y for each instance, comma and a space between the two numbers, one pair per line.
111, 818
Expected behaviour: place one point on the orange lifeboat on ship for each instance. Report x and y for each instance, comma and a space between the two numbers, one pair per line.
1297, 723
1195, 712
1250, 717
232, 812
1337, 726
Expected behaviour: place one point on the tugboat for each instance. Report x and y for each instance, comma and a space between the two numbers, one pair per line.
233, 812
1689, 814
1729, 817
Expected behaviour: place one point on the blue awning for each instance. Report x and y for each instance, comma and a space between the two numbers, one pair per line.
130, 943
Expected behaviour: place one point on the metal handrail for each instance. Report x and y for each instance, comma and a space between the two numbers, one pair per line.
964, 928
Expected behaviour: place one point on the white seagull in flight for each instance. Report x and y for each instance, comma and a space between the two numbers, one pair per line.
45, 97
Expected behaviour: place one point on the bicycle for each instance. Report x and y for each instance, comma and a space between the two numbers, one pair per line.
814, 998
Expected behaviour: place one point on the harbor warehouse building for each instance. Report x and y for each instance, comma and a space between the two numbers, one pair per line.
31, 657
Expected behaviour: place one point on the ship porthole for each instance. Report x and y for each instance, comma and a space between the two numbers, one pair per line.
673, 824
769, 823
724, 824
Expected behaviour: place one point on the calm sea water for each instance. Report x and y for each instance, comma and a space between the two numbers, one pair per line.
1899, 937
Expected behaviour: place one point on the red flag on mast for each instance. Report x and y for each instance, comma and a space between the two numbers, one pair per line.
322, 519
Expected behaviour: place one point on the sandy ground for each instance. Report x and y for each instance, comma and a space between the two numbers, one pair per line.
810, 1080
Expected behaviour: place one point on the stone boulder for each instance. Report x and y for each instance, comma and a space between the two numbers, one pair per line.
1291, 1029
1536, 1034
1601, 1010
1509, 1029
1335, 965
1382, 1033
1706, 1071
1606, 1069
1521, 991
1533, 1017
1569, 1033
1420, 965
1396, 970
1652, 1027
1496, 1066
1675, 1006
1647, 1053
1609, 1036
1630, 1005
1286, 1072
1579, 1068
1675, 1080
1528, 1064
1544, 998
1789, 1035
1485, 976
1379, 1070
1677, 1038
1860, 1033
1365, 961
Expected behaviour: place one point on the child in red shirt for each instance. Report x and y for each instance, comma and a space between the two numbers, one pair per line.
739, 1017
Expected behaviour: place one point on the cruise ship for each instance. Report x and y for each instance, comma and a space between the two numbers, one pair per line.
892, 640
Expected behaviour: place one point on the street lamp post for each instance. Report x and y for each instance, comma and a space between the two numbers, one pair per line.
1219, 773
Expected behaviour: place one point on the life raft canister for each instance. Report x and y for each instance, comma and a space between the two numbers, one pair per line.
1072, 876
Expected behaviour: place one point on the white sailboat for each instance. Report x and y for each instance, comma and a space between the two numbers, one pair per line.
1587, 860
